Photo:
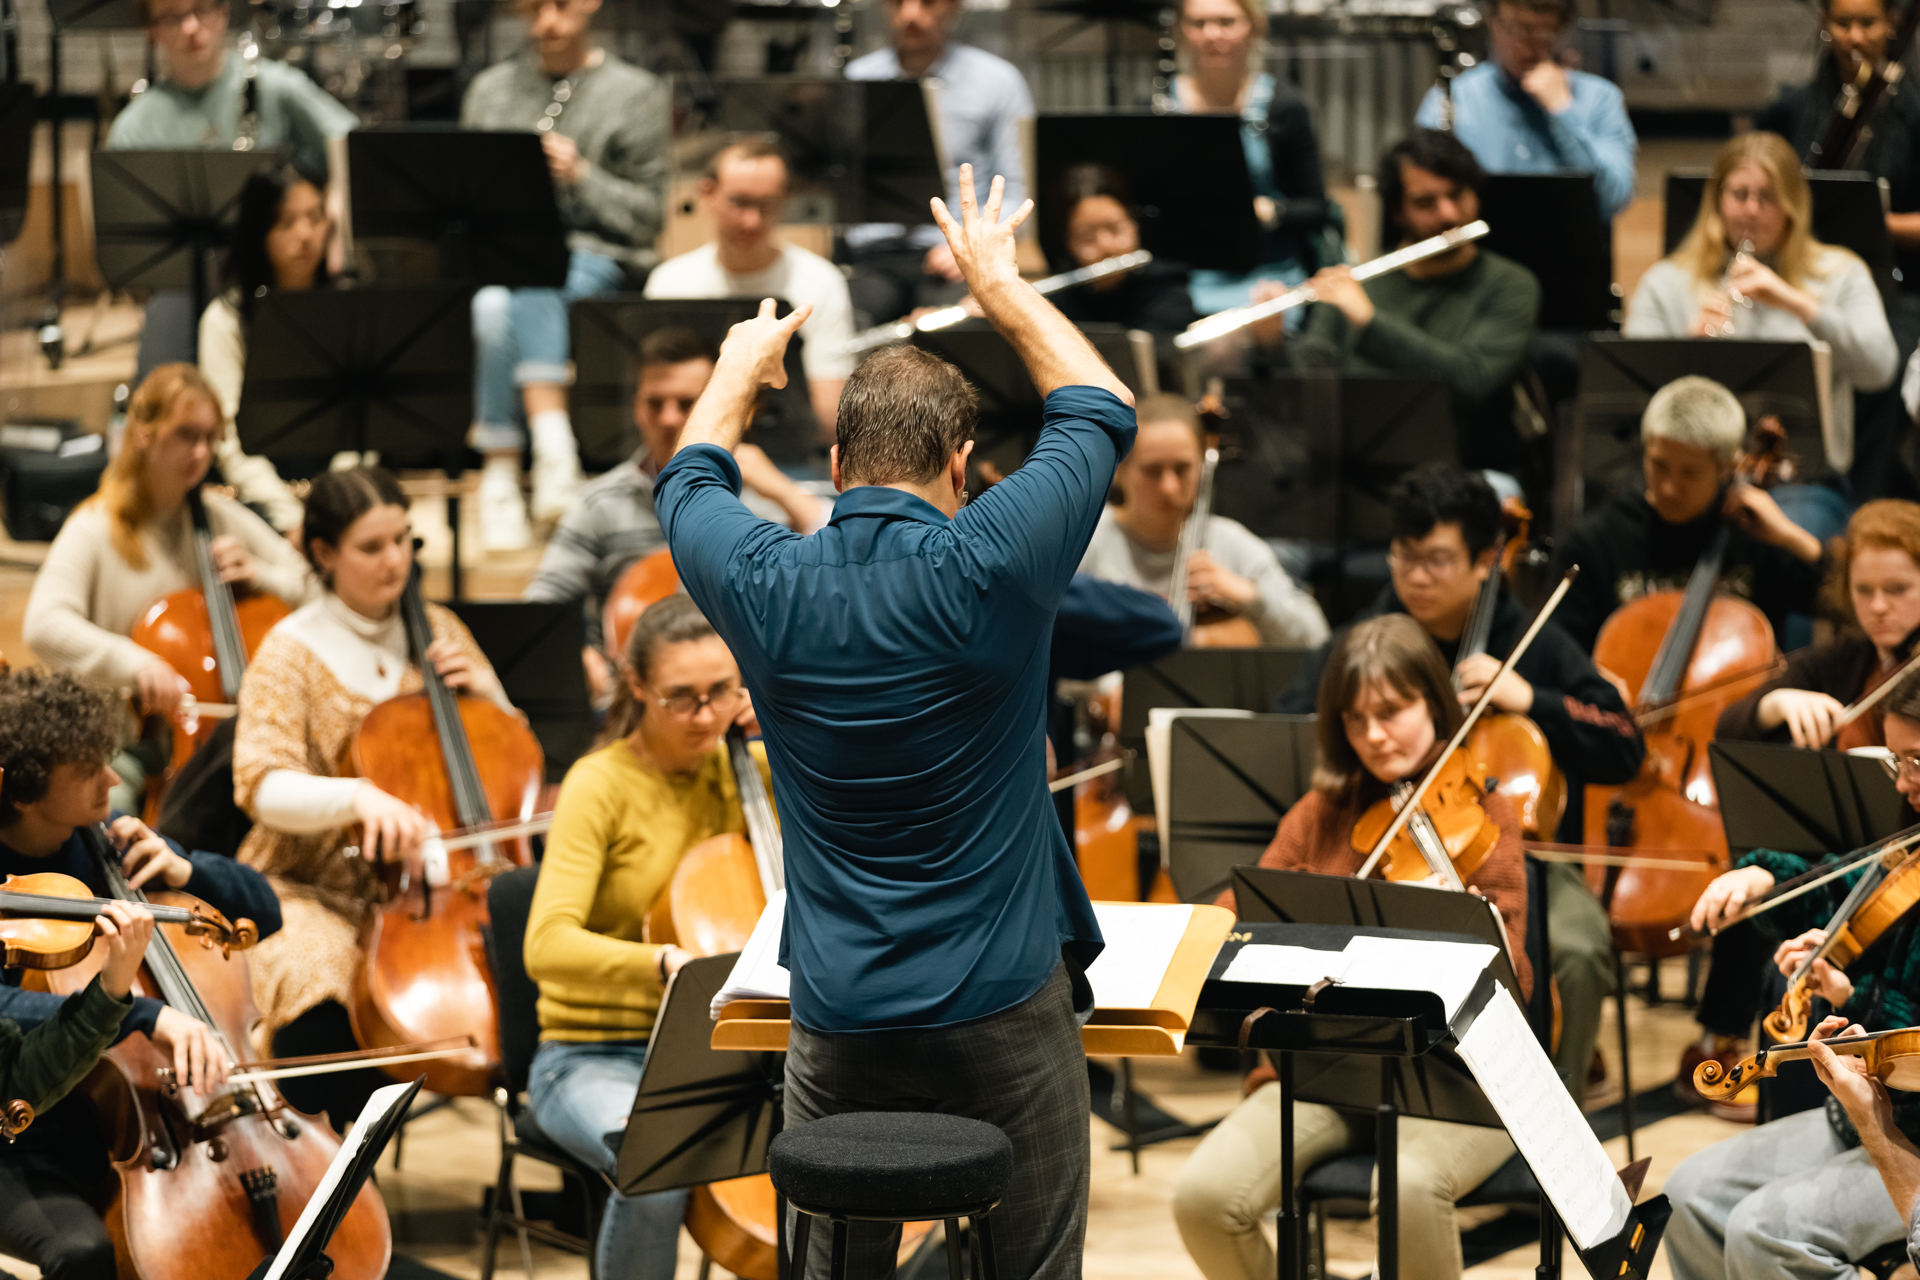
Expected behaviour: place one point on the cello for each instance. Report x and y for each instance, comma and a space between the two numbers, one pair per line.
207, 1185
1682, 658
647, 581
422, 975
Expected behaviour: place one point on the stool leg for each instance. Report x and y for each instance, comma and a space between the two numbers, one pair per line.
839, 1268
953, 1249
802, 1231
983, 1240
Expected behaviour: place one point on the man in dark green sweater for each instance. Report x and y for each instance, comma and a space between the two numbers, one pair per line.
1463, 316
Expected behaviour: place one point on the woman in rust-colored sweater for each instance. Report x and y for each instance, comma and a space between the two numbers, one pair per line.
1386, 708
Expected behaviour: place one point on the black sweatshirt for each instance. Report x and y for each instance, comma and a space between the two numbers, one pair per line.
1838, 668
1625, 551
1153, 298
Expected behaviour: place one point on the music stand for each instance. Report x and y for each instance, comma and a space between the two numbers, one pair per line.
1846, 211
1619, 375
18, 109
857, 150
701, 1114
159, 215
1812, 803
120, 15
535, 650
1188, 177
457, 204
1230, 782
1241, 679
607, 333
1550, 224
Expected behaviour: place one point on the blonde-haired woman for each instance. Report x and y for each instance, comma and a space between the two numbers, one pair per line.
1751, 268
132, 542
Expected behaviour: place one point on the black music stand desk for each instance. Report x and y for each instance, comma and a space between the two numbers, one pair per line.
159, 216
534, 647
1550, 224
1243, 679
1812, 803
1229, 782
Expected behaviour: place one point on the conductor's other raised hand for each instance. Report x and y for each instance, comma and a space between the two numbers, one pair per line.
982, 245
758, 347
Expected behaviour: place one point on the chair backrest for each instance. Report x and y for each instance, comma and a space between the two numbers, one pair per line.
509, 903
1539, 954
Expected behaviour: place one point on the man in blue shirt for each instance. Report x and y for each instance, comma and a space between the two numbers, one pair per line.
936, 929
1520, 111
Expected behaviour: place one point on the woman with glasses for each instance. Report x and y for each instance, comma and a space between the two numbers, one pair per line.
313, 680
1875, 580
627, 813
1092, 210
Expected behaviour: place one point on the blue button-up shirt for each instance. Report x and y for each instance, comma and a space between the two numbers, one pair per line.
898, 662
1508, 130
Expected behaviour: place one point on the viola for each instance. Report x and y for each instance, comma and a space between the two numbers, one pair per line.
208, 1184
1682, 657
647, 581
207, 634
1879, 900
1891, 1056
423, 973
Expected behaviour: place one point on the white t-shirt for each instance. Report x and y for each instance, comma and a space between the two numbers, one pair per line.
797, 275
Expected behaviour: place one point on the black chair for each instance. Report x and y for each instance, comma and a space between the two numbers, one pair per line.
509, 902
893, 1167
1350, 1177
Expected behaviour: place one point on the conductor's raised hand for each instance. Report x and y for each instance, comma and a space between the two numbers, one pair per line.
758, 347
982, 244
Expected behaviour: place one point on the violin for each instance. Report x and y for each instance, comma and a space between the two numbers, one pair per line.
15, 1117
208, 1184
207, 634
47, 922
1878, 901
1682, 658
647, 581
1893, 1057
423, 975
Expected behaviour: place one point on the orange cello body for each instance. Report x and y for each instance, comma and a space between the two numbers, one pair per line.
179, 628
1672, 805
646, 581
212, 1194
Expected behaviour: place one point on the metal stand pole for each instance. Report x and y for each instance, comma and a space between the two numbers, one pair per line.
1292, 1238
1626, 1056
52, 339
1386, 1160
1549, 1268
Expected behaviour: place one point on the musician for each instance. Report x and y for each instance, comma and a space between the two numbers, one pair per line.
132, 543
935, 918
280, 241
1524, 111
1795, 288
314, 678
613, 523
204, 96
745, 193
984, 107
1463, 316
626, 815
1871, 1111
41, 1064
603, 124
1641, 542
1445, 526
1222, 50
1138, 538
1386, 705
56, 738
1875, 579
1095, 220
1794, 1196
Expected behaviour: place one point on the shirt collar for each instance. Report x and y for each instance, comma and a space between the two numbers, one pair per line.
893, 504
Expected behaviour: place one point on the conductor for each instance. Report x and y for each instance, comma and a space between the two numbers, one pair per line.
937, 932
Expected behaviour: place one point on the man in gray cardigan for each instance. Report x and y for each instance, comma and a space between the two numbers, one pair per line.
604, 124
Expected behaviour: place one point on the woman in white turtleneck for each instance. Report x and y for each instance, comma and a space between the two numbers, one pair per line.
314, 679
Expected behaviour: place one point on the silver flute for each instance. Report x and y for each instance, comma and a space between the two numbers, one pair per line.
1221, 323
900, 330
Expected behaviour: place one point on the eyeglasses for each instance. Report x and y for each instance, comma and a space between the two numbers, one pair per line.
1437, 564
1895, 765
685, 706
201, 13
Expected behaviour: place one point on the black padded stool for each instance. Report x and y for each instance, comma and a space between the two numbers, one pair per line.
893, 1166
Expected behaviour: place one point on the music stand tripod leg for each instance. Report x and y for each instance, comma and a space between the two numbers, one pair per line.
1386, 1161
1626, 1058
1291, 1237
1549, 1268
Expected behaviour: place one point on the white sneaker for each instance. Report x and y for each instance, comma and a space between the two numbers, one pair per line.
556, 465
503, 514
429, 518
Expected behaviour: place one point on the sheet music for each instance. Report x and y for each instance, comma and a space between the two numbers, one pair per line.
1544, 1122
1448, 969
1160, 758
757, 974
378, 1106
1284, 966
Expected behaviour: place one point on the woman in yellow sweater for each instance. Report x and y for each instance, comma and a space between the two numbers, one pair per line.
626, 815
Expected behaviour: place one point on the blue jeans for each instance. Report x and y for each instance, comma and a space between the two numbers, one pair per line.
520, 336
581, 1093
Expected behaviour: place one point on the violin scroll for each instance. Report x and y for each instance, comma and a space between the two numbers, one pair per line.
1789, 1021
213, 930
1715, 1081
15, 1116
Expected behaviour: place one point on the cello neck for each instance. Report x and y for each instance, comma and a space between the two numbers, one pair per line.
1193, 536
1676, 648
469, 796
1479, 629
176, 987
763, 828
229, 650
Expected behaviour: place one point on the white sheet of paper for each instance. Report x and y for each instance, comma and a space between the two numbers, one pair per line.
378, 1105
1160, 758
1448, 969
1284, 966
757, 974
1141, 939
1567, 1159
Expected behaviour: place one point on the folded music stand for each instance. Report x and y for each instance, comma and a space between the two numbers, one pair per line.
535, 650
438, 203
1550, 223
1240, 679
1846, 211
18, 111
1812, 803
607, 333
158, 216
1230, 783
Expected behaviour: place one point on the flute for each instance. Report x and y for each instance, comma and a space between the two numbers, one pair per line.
901, 330
1221, 323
